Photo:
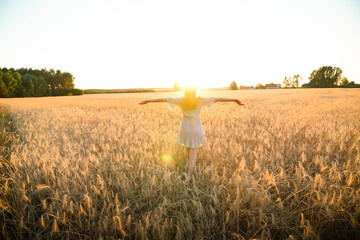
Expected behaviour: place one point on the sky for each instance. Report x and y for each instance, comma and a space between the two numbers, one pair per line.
155, 43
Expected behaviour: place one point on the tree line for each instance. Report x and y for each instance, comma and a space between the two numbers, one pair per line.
24, 82
324, 77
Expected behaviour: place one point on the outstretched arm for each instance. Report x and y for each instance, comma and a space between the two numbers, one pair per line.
228, 100
153, 100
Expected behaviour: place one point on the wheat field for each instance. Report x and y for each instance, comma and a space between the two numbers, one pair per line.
284, 166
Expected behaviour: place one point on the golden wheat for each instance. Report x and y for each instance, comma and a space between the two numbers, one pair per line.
284, 166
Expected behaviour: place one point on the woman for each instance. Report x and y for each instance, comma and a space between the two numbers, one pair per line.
191, 132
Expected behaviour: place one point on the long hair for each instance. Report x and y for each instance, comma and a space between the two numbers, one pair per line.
190, 100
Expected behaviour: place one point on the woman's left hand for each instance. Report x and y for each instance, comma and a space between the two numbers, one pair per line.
238, 102
143, 102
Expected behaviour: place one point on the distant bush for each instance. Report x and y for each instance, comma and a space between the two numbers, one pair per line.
344, 83
273, 85
76, 91
305, 85
260, 86
354, 85
233, 86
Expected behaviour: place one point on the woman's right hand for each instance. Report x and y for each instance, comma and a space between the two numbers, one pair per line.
143, 102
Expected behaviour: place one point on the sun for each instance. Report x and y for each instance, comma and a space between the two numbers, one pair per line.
198, 83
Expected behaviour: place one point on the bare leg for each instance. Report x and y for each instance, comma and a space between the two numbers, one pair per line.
188, 152
192, 160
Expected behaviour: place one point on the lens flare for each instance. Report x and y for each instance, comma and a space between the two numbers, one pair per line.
166, 160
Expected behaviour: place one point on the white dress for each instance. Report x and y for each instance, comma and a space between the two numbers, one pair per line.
191, 133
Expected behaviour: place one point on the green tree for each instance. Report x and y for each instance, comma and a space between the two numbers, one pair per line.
57, 76
67, 81
36, 82
286, 82
16, 76
292, 82
3, 88
49, 76
233, 86
10, 83
27, 83
325, 77
344, 81
20, 90
42, 89
295, 81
